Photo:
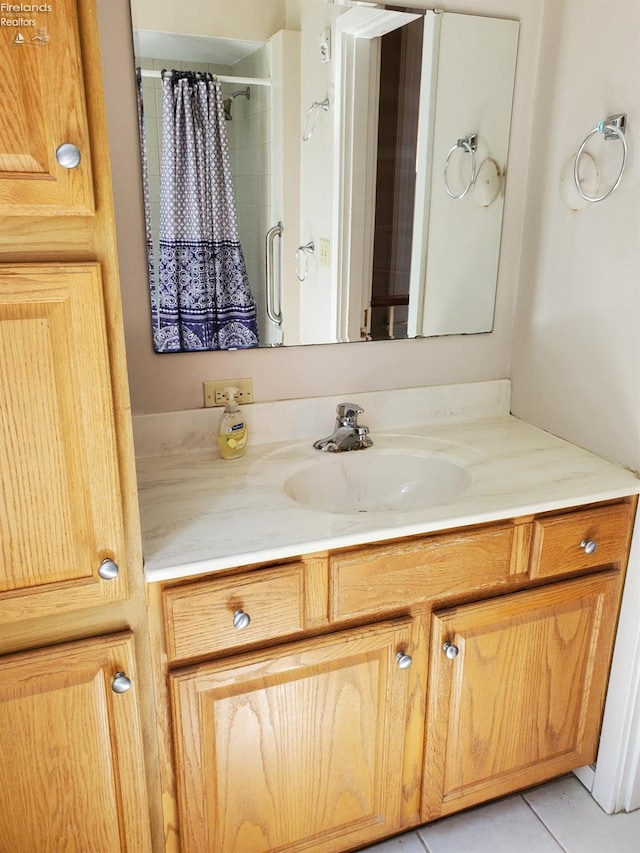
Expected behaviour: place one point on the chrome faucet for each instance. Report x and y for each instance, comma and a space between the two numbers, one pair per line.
348, 433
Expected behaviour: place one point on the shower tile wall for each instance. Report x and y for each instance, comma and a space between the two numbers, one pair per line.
249, 136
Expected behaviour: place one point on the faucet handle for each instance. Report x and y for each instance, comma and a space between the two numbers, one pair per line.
348, 413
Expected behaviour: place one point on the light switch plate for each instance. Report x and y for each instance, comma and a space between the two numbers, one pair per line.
325, 252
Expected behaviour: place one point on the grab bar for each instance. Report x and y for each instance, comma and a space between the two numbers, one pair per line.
272, 233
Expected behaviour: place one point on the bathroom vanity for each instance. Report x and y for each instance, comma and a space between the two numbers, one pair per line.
320, 698
284, 676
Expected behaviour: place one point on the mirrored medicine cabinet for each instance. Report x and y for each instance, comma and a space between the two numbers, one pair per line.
368, 148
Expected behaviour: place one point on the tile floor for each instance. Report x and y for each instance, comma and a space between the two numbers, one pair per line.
558, 816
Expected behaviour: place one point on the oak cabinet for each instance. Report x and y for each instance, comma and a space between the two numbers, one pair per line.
516, 690
296, 748
70, 517
44, 108
375, 578
71, 776
306, 732
581, 541
63, 509
209, 617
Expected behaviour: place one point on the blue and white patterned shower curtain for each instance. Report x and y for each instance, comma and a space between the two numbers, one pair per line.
145, 189
204, 297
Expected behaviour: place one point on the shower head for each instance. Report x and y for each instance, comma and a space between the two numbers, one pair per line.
245, 93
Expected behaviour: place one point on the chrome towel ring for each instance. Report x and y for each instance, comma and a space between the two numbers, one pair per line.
313, 110
302, 253
613, 128
468, 143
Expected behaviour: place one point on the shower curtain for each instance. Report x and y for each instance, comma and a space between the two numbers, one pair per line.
204, 297
147, 206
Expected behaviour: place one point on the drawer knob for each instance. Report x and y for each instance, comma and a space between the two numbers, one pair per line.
590, 547
241, 620
450, 650
404, 660
120, 683
108, 570
68, 155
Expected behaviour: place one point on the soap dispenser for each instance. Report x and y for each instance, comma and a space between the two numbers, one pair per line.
232, 430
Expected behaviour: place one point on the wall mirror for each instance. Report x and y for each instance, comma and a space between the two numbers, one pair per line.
368, 148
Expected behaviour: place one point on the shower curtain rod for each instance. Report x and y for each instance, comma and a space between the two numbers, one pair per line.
250, 81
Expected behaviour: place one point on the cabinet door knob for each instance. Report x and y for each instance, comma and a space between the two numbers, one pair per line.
590, 547
68, 155
450, 650
241, 620
120, 683
404, 660
108, 570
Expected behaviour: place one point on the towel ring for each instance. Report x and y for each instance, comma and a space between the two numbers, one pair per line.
469, 143
613, 128
304, 251
313, 111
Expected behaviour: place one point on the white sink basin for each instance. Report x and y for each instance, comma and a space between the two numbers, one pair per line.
376, 480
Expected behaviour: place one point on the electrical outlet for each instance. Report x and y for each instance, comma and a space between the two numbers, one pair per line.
325, 252
215, 393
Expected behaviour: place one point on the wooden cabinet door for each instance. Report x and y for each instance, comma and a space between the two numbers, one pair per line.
296, 748
43, 107
61, 507
522, 701
71, 774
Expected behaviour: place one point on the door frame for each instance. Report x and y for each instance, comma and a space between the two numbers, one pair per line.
614, 781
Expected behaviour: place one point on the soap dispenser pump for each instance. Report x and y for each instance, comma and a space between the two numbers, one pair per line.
232, 430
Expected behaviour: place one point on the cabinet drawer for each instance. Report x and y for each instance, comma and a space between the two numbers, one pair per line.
396, 575
556, 547
199, 618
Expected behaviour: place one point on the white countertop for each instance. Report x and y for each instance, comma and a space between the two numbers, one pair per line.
203, 514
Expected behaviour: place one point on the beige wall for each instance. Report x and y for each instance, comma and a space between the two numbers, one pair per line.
576, 352
173, 382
